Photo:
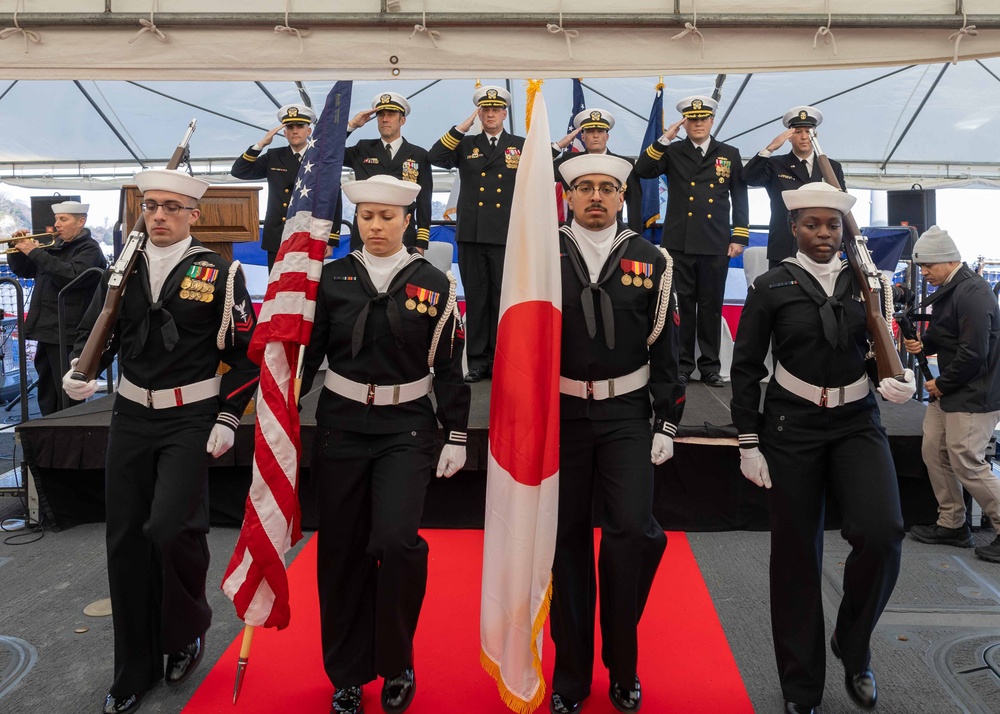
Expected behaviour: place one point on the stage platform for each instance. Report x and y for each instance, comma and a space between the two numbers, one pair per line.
700, 489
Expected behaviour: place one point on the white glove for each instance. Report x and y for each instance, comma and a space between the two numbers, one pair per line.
663, 449
452, 460
898, 392
754, 467
76, 388
220, 440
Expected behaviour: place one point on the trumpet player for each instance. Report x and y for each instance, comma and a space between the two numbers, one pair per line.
54, 266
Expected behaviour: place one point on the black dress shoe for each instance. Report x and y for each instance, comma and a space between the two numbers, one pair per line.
793, 708
860, 686
397, 692
683, 378
347, 700
122, 705
713, 379
476, 374
559, 704
626, 700
181, 664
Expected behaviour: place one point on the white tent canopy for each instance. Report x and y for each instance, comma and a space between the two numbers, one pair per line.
100, 94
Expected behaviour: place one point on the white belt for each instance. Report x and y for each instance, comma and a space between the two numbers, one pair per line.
175, 397
378, 395
821, 396
605, 388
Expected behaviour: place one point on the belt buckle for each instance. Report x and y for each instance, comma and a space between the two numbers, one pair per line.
149, 398
823, 396
611, 388
395, 394
590, 389
370, 399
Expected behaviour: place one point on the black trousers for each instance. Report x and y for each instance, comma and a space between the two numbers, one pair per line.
700, 283
50, 370
609, 459
810, 450
481, 265
157, 509
372, 563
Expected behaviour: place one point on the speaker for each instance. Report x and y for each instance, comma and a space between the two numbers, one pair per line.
42, 216
915, 208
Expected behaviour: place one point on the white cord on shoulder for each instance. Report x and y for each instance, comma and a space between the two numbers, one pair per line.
227, 309
450, 308
886, 300
663, 301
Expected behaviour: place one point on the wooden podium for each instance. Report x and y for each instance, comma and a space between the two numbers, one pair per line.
229, 214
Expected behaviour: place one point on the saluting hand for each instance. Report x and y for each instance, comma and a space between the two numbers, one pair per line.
568, 139
360, 119
671, 133
780, 139
269, 137
467, 124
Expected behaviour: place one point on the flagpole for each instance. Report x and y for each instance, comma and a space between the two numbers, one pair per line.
244, 660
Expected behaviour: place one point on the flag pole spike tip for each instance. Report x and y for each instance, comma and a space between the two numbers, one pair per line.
241, 665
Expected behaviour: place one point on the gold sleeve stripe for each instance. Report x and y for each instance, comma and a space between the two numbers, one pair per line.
248, 157
424, 233
653, 153
450, 142
741, 232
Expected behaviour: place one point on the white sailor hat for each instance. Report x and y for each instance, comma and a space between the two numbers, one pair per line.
296, 114
584, 164
171, 180
392, 101
697, 107
382, 189
802, 116
491, 97
74, 207
818, 195
594, 119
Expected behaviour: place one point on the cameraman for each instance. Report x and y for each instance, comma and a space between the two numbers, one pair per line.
964, 332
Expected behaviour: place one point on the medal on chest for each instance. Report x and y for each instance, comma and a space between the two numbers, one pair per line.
637, 274
422, 300
199, 282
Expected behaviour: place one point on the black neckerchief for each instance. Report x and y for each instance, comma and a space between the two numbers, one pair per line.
583, 275
384, 298
831, 309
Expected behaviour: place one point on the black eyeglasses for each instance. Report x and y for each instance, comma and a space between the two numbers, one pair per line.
171, 209
585, 189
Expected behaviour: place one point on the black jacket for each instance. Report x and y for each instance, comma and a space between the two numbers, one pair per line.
53, 269
777, 173
172, 342
487, 177
633, 189
386, 356
964, 333
700, 191
634, 311
409, 163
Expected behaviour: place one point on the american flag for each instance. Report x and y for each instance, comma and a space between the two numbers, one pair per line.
575, 147
255, 580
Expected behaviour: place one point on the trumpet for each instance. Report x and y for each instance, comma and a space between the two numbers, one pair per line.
10, 243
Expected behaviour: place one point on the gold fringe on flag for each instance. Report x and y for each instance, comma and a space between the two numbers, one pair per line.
534, 87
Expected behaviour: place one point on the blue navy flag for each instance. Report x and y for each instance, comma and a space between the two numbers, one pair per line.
578, 106
654, 189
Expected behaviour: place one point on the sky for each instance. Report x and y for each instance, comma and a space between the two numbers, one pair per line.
963, 212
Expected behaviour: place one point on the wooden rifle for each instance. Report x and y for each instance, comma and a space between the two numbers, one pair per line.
99, 340
868, 277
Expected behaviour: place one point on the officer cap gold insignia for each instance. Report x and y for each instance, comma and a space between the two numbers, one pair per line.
802, 116
586, 164
171, 180
384, 189
296, 114
818, 195
491, 97
697, 107
594, 119
391, 101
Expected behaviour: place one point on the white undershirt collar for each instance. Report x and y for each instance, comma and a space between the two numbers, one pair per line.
595, 246
383, 270
161, 260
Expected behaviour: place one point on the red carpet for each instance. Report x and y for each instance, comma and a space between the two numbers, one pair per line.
684, 662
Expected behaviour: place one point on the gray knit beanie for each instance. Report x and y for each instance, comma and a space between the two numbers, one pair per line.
935, 246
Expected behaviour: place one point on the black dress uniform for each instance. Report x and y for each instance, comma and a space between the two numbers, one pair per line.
697, 232
605, 449
373, 462
810, 449
785, 172
409, 162
157, 470
487, 177
53, 269
633, 190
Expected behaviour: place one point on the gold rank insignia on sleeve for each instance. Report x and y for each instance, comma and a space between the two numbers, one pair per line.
422, 300
199, 282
